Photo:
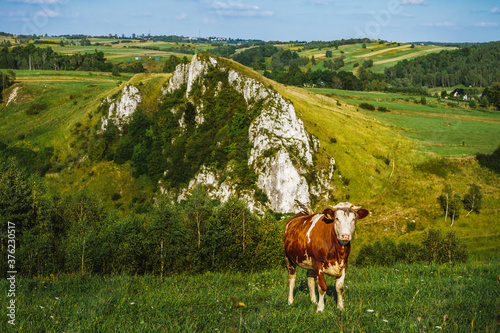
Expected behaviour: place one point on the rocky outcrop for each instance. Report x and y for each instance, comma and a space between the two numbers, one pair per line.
281, 150
121, 110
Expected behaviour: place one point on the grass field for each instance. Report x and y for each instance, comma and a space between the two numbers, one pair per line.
403, 298
66, 100
383, 55
448, 131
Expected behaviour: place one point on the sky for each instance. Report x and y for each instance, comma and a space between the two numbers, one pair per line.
283, 20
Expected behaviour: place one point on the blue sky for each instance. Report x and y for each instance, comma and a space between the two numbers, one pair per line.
393, 20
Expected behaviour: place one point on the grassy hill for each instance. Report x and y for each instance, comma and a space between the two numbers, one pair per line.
404, 298
394, 164
383, 55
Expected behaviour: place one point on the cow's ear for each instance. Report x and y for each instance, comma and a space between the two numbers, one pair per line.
362, 213
329, 215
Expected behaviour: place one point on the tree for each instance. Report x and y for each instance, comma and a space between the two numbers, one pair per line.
171, 64
455, 206
472, 104
444, 200
313, 61
368, 63
199, 209
82, 213
328, 54
494, 94
473, 200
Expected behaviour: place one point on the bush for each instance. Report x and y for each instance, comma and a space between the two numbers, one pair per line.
36, 108
434, 248
116, 196
367, 106
382, 109
411, 226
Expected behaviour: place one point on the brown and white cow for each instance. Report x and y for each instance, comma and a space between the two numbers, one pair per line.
321, 244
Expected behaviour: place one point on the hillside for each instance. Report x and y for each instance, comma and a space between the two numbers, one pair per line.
217, 123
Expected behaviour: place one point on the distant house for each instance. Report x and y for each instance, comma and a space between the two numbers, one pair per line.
459, 92
137, 58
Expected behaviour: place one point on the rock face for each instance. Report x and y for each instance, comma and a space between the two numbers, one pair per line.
122, 109
281, 150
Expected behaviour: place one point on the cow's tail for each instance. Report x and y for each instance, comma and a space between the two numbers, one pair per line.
304, 207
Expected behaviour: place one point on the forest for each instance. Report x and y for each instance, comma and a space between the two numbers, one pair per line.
32, 57
76, 233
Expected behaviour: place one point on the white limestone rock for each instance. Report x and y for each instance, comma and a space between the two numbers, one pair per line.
277, 130
120, 111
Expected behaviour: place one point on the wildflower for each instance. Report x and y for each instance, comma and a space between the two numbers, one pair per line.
41, 307
370, 310
132, 303
419, 319
385, 320
439, 327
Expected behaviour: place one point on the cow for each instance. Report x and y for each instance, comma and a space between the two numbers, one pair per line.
320, 243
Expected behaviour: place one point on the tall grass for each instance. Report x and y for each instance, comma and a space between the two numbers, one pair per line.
415, 298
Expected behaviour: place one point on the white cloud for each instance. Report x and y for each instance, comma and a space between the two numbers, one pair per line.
486, 24
439, 24
36, 1
238, 9
495, 10
414, 2
48, 13
14, 13
182, 16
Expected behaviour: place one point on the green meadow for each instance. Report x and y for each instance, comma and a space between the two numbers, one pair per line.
402, 298
437, 127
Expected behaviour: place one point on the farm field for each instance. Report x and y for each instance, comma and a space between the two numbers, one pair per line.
448, 131
402, 298
382, 55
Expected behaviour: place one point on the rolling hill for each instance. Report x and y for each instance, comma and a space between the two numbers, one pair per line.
344, 153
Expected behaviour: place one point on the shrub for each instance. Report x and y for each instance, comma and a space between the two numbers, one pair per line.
382, 109
36, 108
116, 196
367, 106
411, 226
434, 248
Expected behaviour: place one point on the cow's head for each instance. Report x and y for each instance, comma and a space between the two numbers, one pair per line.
344, 216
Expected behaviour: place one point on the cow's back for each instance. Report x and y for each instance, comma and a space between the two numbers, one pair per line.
306, 237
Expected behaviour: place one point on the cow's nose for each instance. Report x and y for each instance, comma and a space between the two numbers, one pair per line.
345, 237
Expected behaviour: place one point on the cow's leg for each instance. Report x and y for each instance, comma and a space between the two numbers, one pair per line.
291, 279
339, 285
311, 284
321, 288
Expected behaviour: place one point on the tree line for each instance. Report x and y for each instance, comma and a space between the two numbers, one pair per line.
75, 233
32, 57
433, 248
473, 65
